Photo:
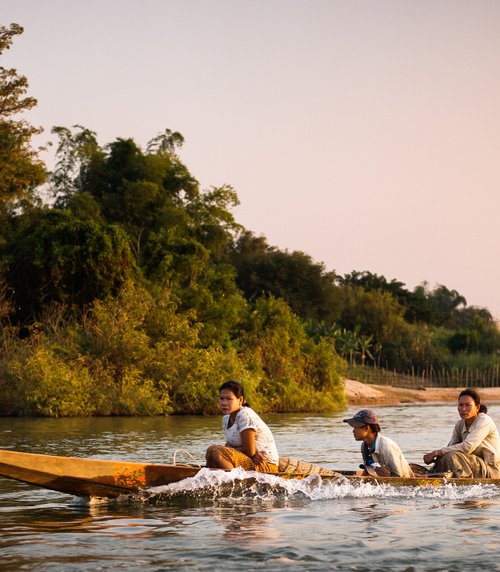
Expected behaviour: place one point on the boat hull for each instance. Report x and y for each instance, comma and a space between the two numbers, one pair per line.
111, 479
89, 477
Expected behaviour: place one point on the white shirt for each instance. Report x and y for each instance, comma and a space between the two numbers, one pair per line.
387, 452
246, 418
480, 439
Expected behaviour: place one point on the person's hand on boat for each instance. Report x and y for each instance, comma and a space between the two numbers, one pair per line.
432, 457
258, 458
383, 471
376, 470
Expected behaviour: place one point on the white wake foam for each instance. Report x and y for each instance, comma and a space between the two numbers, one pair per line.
239, 484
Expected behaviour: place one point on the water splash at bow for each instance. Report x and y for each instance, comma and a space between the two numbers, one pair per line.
242, 485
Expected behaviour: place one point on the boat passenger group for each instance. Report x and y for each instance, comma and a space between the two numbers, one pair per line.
473, 450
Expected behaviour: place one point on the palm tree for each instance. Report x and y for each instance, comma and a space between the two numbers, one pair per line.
365, 346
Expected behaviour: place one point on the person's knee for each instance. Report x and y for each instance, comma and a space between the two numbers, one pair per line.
210, 454
213, 457
216, 456
460, 464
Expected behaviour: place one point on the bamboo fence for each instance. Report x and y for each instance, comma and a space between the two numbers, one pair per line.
456, 377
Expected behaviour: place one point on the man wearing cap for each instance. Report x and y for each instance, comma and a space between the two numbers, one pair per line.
378, 451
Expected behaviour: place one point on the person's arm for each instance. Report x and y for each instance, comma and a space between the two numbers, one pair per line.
472, 441
433, 456
456, 436
247, 431
248, 446
392, 456
480, 430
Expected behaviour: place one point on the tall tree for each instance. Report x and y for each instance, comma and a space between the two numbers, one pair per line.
144, 192
20, 168
77, 154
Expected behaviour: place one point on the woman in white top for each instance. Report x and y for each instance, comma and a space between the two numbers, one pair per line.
249, 441
474, 448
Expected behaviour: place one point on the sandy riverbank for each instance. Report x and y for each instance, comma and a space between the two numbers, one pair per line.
368, 394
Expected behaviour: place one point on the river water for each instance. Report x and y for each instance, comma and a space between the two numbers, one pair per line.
229, 522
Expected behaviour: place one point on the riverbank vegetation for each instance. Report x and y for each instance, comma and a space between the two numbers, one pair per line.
126, 289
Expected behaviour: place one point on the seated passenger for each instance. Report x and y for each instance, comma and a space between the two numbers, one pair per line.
381, 455
249, 441
474, 448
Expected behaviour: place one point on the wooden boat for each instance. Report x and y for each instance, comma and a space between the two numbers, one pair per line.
110, 479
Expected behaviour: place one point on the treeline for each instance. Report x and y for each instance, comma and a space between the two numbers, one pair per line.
120, 297
127, 289
369, 319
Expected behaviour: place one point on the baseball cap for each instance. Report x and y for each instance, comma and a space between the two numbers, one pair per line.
363, 417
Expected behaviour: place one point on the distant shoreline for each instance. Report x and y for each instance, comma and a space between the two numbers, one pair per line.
368, 394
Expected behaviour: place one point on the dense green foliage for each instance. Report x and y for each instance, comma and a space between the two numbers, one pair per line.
136, 292
367, 318
57, 257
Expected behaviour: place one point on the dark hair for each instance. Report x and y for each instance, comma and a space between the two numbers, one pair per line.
476, 398
375, 427
236, 388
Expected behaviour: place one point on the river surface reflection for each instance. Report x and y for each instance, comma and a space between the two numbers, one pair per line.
241, 524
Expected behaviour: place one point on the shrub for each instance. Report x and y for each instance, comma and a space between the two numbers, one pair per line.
46, 385
297, 373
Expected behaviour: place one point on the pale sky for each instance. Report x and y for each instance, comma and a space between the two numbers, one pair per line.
364, 133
